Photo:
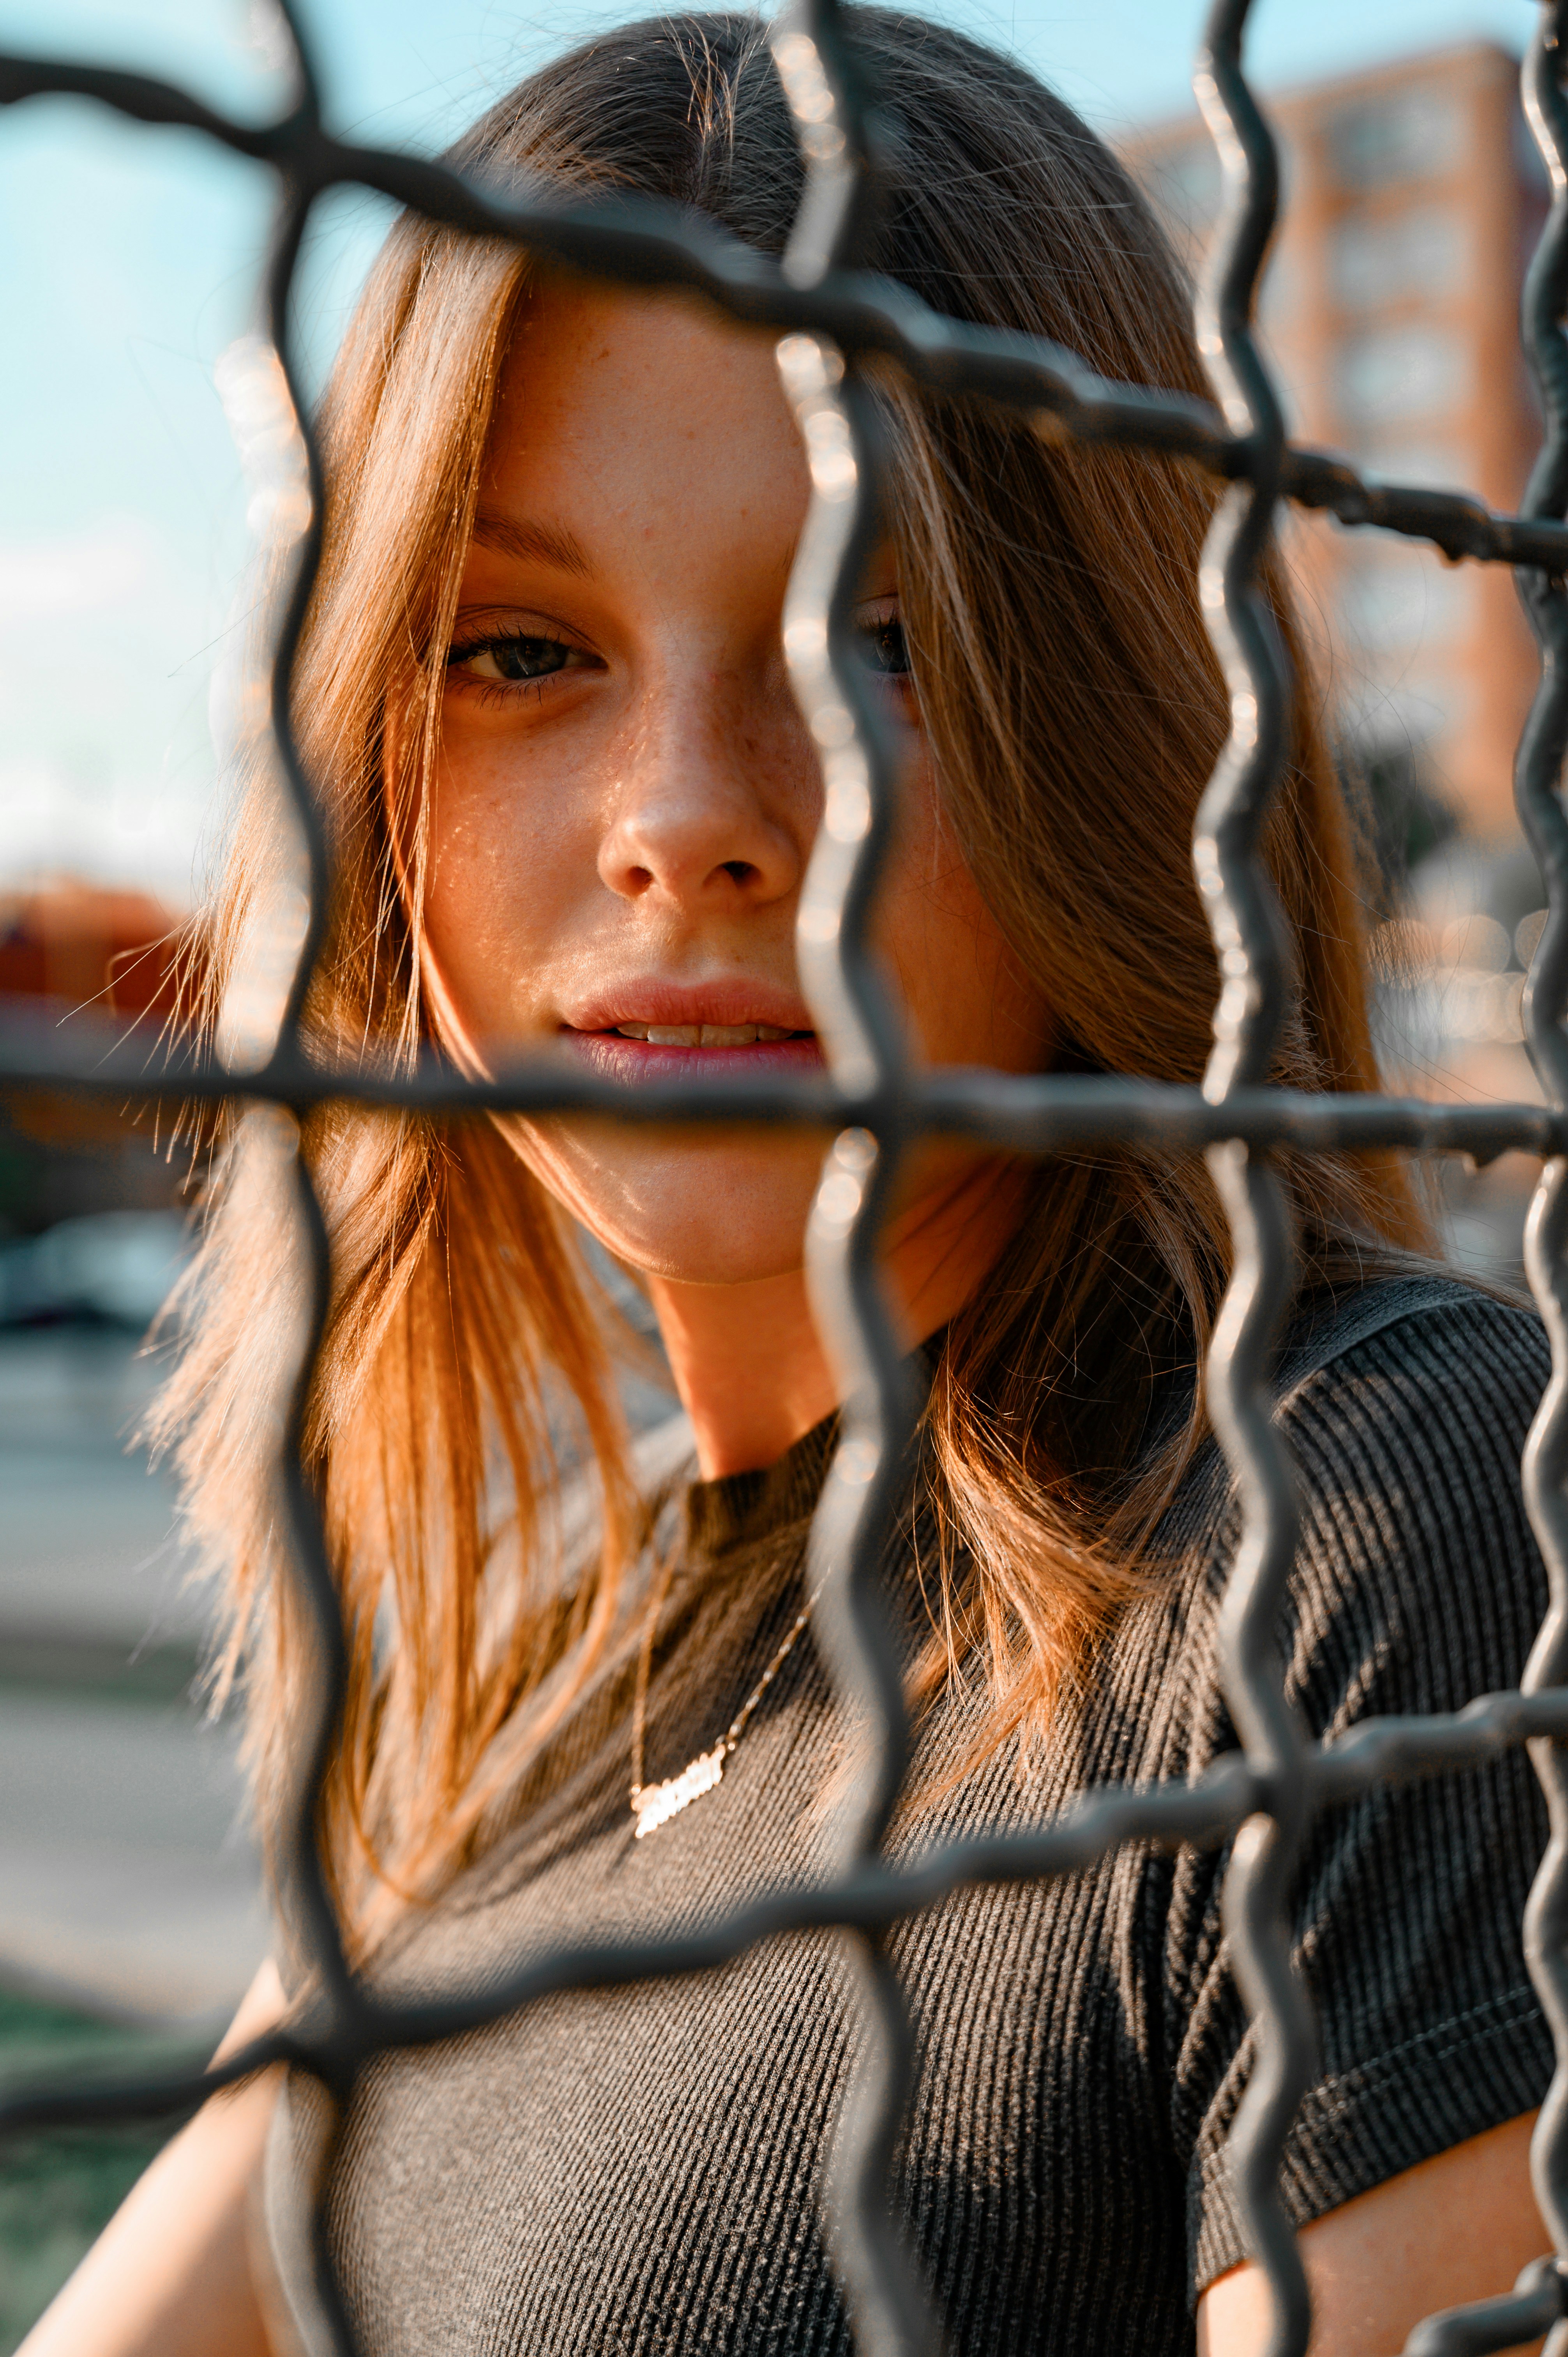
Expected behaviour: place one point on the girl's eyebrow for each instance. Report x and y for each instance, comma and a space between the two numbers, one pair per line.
532, 542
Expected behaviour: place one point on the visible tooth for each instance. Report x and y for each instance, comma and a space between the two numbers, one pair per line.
632, 1030
675, 1035
771, 1031
730, 1035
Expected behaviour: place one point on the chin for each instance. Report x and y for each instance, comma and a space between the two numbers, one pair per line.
686, 1209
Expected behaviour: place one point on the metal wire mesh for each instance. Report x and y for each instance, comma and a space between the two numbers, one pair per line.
830, 318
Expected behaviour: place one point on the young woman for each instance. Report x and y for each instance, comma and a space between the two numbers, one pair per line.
572, 801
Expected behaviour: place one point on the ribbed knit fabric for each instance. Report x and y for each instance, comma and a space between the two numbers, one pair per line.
638, 2169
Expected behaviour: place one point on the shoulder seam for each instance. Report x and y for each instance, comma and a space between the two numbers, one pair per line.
1397, 1313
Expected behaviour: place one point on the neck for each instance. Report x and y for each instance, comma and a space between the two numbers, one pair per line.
747, 1359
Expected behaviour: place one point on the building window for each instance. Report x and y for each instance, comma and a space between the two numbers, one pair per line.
1421, 254
1401, 373
1278, 296
1185, 184
1182, 184
1407, 134
1413, 711
1417, 458
1393, 600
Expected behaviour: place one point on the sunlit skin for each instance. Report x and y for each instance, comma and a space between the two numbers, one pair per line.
624, 840
620, 834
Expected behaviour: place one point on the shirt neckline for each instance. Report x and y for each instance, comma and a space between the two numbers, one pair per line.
742, 1510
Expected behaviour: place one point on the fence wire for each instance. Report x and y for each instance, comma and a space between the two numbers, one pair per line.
832, 317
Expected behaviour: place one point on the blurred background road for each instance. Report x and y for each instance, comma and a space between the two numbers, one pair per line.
127, 1880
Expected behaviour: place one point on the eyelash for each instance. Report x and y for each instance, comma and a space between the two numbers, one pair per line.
887, 626
492, 691
505, 689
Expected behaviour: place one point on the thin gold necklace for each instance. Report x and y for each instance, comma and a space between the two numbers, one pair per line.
654, 1805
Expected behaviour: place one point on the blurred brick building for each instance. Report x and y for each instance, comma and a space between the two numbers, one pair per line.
1413, 198
82, 945
63, 948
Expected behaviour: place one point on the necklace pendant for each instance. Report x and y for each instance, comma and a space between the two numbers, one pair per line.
655, 1805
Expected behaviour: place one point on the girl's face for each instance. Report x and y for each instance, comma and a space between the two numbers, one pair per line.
626, 795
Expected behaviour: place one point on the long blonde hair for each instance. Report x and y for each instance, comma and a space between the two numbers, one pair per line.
1074, 708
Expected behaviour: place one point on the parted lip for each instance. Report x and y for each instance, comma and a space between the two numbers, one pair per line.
732, 1001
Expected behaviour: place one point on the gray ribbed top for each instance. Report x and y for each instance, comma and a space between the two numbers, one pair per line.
638, 2169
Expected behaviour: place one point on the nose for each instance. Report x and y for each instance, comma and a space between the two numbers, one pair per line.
714, 811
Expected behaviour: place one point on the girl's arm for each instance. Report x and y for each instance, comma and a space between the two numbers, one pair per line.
171, 2274
1457, 2228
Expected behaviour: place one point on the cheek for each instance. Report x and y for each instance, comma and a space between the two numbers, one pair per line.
967, 998
501, 885
681, 1205
475, 929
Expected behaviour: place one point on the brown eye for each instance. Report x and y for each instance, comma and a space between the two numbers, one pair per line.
886, 650
515, 657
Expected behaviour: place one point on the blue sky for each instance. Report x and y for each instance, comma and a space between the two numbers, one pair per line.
129, 268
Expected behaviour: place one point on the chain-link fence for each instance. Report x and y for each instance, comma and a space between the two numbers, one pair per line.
830, 318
